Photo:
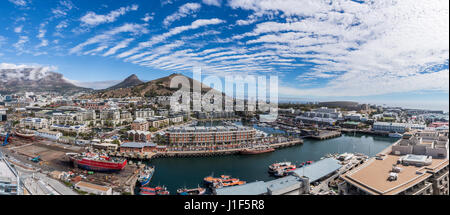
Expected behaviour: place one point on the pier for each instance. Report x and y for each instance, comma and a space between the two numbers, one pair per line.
325, 134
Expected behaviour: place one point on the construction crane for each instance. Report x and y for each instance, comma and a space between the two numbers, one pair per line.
7, 129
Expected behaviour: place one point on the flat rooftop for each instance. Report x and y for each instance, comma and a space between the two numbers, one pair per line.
373, 175
319, 169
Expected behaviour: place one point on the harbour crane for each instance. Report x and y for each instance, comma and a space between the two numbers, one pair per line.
8, 131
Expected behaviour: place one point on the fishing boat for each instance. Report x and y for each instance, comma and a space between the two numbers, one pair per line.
147, 191
162, 191
257, 150
190, 192
96, 162
145, 176
25, 134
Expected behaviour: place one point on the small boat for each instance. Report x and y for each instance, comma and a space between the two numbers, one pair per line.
395, 135
274, 167
223, 181
147, 191
309, 162
257, 150
190, 192
162, 191
284, 171
145, 176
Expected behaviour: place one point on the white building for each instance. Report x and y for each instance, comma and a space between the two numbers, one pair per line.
36, 123
396, 127
45, 133
93, 188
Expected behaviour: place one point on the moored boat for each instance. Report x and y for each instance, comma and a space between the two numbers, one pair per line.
257, 150
95, 162
274, 167
196, 191
145, 176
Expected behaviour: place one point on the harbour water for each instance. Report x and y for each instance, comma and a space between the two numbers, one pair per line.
189, 172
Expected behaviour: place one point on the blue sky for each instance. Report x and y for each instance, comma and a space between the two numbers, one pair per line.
386, 52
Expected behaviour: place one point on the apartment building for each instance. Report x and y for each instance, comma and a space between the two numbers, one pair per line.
140, 125
45, 133
144, 113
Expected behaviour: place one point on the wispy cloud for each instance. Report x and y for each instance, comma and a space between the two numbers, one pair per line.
93, 19
184, 11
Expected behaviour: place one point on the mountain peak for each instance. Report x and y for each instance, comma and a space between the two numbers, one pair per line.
131, 81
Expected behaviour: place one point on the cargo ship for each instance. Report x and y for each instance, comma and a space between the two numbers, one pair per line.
190, 192
145, 176
257, 150
26, 134
95, 162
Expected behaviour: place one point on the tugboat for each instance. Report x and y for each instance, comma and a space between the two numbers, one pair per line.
257, 150
284, 171
145, 176
190, 192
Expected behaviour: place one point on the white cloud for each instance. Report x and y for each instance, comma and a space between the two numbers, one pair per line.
119, 46
109, 35
212, 2
160, 38
20, 45
184, 11
19, 2
148, 17
22, 71
18, 29
363, 49
93, 19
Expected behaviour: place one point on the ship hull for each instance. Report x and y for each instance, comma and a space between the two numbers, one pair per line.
98, 166
24, 136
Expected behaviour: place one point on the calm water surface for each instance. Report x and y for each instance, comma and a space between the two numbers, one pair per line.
189, 172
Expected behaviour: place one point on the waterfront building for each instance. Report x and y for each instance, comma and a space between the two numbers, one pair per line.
396, 127
210, 135
137, 147
393, 172
323, 116
45, 133
142, 136
140, 125
93, 188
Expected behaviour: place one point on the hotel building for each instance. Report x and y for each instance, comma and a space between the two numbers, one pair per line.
210, 135
415, 165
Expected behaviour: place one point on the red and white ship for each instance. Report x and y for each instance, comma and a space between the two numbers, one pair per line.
96, 162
